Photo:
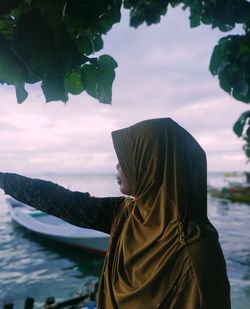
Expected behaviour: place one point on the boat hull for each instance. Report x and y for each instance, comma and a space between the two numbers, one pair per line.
56, 229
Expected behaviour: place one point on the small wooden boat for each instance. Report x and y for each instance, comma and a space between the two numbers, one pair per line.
54, 228
235, 192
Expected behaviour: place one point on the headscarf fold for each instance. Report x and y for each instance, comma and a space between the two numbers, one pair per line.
149, 256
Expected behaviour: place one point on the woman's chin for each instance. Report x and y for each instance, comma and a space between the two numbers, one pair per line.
124, 191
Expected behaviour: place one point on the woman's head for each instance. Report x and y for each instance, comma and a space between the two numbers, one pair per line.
158, 154
143, 150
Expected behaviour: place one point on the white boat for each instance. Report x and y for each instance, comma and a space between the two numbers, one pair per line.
54, 228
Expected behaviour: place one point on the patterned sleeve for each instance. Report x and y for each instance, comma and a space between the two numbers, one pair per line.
75, 207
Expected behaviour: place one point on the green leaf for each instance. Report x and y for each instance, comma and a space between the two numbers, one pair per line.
90, 79
241, 88
146, 11
7, 25
21, 94
98, 78
107, 62
225, 80
217, 61
98, 43
240, 123
238, 128
54, 89
127, 4
248, 133
84, 45
89, 44
106, 24
33, 41
194, 21
106, 76
175, 3
73, 83
246, 149
13, 73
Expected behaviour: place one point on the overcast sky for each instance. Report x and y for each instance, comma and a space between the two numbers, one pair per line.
162, 72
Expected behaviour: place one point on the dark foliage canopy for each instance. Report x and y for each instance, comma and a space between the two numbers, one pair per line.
53, 42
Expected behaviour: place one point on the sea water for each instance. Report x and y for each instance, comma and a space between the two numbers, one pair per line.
31, 266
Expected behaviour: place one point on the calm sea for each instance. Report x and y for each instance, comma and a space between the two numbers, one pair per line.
31, 266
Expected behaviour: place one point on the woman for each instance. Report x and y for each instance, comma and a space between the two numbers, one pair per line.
164, 252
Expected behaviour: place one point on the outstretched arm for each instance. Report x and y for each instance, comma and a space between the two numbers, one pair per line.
75, 207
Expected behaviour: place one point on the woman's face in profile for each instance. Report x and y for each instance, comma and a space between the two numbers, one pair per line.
121, 180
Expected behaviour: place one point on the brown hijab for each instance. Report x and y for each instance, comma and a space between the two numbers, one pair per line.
164, 252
